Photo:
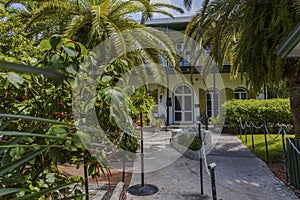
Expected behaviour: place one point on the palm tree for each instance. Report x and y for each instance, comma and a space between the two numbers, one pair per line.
246, 34
92, 22
188, 3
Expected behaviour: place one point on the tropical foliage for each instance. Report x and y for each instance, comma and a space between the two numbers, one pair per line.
37, 134
246, 34
60, 38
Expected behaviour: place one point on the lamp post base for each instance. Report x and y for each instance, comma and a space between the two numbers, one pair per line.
146, 190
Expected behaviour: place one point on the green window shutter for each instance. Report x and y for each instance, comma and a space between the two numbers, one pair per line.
202, 98
229, 94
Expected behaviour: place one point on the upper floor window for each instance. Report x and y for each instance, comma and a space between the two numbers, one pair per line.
164, 62
184, 53
240, 93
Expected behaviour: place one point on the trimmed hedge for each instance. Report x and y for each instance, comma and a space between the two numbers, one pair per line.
258, 111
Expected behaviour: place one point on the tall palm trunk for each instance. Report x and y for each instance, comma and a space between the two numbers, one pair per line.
294, 84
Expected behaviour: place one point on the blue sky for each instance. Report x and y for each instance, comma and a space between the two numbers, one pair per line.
179, 3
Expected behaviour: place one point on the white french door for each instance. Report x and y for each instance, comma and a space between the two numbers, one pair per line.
183, 100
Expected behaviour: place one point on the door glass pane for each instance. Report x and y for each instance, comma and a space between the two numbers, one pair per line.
188, 116
178, 102
177, 116
187, 90
188, 103
213, 108
208, 99
243, 96
237, 95
179, 90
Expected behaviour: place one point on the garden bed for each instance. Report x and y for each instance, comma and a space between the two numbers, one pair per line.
102, 180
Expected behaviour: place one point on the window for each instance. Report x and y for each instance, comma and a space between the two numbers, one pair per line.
184, 61
240, 93
164, 62
212, 107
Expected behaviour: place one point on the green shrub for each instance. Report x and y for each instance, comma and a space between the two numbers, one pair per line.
195, 144
190, 141
273, 111
129, 143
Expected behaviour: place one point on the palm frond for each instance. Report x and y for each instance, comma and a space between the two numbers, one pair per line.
188, 4
116, 36
162, 6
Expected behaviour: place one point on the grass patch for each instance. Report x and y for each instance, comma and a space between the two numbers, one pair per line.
274, 146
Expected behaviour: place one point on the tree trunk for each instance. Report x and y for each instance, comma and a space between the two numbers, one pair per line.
294, 85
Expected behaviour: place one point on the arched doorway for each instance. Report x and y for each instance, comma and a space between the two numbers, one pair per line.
183, 100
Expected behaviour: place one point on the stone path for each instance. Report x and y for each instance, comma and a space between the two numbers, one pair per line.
239, 173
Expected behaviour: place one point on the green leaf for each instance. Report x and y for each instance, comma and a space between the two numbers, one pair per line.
55, 40
78, 143
56, 62
34, 118
93, 170
11, 166
106, 78
11, 142
7, 191
13, 179
29, 69
84, 51
50, 178
43, 192
79, 196
35, 146
71, 70
59, 130
69, 51
90, 104
45, 45
16, 133
15, 79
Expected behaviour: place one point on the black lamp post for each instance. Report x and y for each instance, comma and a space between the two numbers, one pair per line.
142, 189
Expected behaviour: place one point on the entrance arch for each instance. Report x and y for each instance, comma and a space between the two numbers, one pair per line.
183, 101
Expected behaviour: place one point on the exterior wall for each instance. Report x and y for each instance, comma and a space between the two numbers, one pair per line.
199, 85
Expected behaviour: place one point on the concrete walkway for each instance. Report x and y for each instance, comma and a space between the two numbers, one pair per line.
239, 173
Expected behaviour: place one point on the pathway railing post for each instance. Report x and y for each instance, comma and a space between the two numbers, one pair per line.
252, 138
200, 158
266, 142
212, 167
240, 131
85, 171
285, 158
124, 157
246, 137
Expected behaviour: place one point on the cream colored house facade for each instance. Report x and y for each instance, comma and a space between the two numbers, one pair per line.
191, 93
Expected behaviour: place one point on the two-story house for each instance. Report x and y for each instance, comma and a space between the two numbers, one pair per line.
191, 93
